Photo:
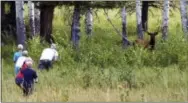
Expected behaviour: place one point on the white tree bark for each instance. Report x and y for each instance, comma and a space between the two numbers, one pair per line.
139, 20
89, 21
165, 19
20, 26
184, 18
37, 20
124, 27
31, 17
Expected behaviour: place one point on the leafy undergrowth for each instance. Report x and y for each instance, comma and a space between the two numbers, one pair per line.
101, 70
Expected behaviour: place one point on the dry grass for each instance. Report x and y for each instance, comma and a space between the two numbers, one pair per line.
50, 94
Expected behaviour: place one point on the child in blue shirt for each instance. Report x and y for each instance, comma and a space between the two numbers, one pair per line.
18, 53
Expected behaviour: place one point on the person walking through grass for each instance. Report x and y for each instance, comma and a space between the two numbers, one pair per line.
48, 56
19, 77
26, 77
20, 62
18, 53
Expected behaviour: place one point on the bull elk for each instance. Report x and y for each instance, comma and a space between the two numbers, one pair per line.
148, 43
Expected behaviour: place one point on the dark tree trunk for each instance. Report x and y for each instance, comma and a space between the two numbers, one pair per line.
2, 15
75, 29
37, 20
46, 19
145, 7
124, 28
12, 17
2, 9
20, 26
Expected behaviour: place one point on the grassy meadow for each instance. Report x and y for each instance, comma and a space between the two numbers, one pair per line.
101, 70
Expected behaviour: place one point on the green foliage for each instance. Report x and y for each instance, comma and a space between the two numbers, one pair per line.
101, 63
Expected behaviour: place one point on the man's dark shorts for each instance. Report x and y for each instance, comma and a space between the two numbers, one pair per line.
45, 64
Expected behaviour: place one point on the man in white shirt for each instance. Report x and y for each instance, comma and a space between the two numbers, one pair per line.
48, 55
20, 61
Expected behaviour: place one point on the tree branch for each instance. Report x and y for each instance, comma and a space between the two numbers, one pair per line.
117, 31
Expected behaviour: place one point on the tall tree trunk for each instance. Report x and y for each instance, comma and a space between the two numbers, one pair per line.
145, 7
184, 18
37, 20
20, 26
12, 18
139, 21
124, 27
165, 19
31, 18
46, 19
75, 29
89, 22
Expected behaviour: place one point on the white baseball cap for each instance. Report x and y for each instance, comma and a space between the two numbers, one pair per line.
20, 47
25, 52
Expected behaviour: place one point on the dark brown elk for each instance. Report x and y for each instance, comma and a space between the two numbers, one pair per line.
148, 43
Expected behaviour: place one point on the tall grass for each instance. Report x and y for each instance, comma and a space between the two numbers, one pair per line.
101, 70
